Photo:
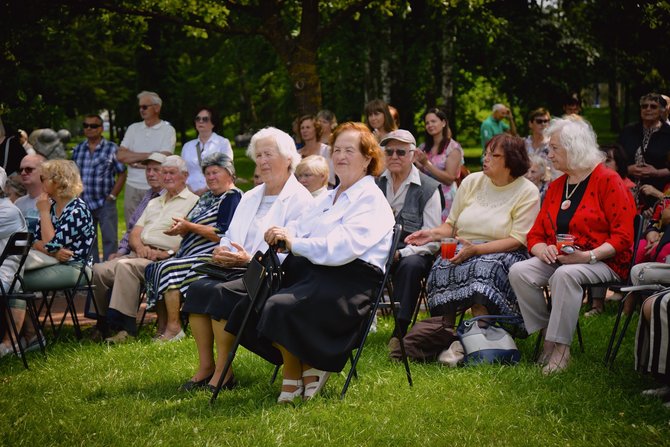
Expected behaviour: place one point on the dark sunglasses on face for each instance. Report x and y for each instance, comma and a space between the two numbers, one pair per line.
541, 120
649, 105
27, 170
92, 126
202, 119
400, 152
145, 107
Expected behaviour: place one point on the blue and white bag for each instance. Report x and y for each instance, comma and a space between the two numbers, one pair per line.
490, 344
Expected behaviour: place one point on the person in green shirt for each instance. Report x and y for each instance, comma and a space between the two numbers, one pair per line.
493, 125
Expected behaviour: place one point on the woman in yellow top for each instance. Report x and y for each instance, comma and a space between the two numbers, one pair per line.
492, 212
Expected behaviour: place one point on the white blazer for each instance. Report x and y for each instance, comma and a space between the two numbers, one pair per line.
293, 200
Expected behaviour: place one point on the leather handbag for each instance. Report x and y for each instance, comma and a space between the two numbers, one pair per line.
490, 343
263, 277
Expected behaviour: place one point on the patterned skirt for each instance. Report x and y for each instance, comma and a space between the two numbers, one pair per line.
172, 274
453, 288
652, 341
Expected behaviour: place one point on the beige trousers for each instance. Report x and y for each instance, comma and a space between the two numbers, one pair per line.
124, 276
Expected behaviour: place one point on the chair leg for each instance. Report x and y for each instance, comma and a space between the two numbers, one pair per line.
14, 333
538, 345
615, 329
615, 351
579, 338
275, 373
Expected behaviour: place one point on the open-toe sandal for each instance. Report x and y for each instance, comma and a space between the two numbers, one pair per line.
313, 388
287, 397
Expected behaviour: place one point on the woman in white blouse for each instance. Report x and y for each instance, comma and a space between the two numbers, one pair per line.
277, 201
207, 143
337, 254
493, 210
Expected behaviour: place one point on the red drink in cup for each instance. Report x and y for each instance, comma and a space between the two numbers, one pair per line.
448, 247
563, 240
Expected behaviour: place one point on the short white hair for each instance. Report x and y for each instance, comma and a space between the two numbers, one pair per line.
283, 141
497, 107
175, 161
579, 140
155, 99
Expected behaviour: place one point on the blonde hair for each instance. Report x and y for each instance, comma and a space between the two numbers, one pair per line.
315, 164
65, 175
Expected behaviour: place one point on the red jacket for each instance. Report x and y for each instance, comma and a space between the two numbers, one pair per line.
605, 214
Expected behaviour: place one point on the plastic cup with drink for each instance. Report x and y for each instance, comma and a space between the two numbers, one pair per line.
448, 247
565, 243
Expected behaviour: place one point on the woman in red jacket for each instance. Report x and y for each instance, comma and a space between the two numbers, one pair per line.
591, 203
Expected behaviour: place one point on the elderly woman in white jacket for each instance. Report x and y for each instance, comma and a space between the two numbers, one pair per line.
277, 201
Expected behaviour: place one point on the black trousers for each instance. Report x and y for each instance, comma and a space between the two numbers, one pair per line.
406, 275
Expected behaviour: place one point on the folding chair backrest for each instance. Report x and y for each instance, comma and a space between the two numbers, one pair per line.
18, 245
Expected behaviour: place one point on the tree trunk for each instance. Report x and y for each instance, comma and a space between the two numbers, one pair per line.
612, 98
305, 81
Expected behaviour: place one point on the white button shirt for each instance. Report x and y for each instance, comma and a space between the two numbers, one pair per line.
358, 226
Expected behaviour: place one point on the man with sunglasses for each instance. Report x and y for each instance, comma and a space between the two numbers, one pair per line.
103, 177
647, 144
30, 178
415, 200
141, 139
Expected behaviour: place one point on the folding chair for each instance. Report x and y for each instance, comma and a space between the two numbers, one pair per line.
83, 283
397, 231
18, 245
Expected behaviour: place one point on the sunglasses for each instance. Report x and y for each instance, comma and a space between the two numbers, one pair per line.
541, 120
145, 107
90, 126
652, 106
27, 170
401, 152
201, 119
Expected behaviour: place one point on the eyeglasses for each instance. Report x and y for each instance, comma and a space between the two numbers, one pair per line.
649, 105
145, 106
27, 170
541, 120
91, 126
401, 152
202, 119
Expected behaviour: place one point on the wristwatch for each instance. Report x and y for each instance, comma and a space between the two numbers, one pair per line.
111, 196
170, 252
593, 259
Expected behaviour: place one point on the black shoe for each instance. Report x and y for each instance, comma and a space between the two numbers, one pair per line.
192, 385
229, 385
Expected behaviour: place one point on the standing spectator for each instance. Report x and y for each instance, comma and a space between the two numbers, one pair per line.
11, 152
441, 157
647, 144
30, 177
494, 125
536, 142
328, 122
207, 143
572, 106
96, 160
415, 201
141, 139
378, 118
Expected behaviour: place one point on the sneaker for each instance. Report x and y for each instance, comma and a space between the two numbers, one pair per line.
118, 338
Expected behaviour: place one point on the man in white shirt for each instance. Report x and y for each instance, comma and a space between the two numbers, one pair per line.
415, 201
141, 139
148, 241
207, 143
30, 177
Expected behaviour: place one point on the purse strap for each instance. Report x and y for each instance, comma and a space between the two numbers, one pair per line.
512, 319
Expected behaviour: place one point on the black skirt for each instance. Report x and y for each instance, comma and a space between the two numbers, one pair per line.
212, 296
319, 313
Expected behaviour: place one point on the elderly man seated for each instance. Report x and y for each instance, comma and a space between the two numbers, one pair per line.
416, 204
148, 242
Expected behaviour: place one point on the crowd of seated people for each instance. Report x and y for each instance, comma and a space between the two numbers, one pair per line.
320, 199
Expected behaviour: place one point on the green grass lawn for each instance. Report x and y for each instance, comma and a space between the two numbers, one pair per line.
91, 394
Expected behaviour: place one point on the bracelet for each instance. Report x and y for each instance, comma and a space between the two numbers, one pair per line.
112, 196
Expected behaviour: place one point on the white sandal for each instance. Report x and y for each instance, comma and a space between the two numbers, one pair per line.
287, 397
313, 388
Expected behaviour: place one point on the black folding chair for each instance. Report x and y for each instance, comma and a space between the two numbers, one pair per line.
83, 283
397, 231
18, 246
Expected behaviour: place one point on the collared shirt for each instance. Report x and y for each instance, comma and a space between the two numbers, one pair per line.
216, 143
432, 210
98, 169
157, 217
124, 245
140, 138
358, 226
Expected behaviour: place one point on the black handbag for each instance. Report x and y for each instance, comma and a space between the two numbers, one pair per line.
263, 277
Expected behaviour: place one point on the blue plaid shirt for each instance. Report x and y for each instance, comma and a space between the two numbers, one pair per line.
97, 171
